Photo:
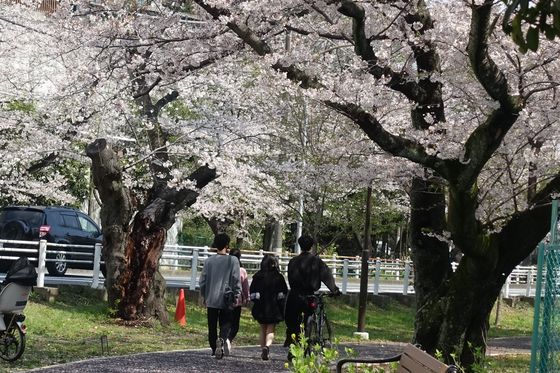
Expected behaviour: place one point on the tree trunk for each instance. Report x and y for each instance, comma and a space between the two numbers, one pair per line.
218, 226
116, 212
135, 287
453, 309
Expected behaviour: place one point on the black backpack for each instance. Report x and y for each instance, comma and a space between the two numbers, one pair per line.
22, 272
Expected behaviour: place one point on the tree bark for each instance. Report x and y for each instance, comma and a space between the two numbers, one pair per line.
131, 252
116, 212
143, 286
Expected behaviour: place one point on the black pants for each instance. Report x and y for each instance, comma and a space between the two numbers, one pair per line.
215, 315
235, 317
297, 311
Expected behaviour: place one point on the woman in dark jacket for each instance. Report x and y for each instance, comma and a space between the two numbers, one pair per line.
268, 292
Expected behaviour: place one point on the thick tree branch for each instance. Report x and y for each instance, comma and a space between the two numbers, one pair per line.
301, 31
522, 233
427, 65
484, 141
485, 69
392, 144
147, 89
42, 163
261, 47
244, 32
168, 98
400, 82
544, 195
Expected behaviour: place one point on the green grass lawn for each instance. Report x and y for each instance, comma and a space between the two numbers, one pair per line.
71, 329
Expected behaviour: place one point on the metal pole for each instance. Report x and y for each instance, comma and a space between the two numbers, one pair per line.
364, 273
537, 312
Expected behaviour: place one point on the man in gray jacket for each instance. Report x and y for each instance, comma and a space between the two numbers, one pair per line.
220, 273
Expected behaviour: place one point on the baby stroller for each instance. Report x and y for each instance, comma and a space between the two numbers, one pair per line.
14, 293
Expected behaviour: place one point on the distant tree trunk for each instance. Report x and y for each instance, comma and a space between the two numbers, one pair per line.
217, 225
267, 236
135, 287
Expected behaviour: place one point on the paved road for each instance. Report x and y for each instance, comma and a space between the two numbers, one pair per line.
243, 359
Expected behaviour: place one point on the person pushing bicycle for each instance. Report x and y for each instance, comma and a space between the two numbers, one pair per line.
305, 274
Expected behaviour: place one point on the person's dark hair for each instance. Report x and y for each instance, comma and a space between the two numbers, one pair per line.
236, 253
269, 262
221, 240
306, 242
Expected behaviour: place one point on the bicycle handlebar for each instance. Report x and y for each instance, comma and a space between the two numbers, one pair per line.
329, 294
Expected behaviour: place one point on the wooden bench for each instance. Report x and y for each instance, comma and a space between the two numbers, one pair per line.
411, 360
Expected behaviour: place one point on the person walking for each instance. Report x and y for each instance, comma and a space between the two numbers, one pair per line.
242, 299
220, 276
268, 292
305, 274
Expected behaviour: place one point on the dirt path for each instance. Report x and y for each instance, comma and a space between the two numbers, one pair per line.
243, 359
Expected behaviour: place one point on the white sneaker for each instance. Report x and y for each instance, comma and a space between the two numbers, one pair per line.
227, 347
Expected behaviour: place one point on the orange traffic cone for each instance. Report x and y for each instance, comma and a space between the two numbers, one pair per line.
180, 312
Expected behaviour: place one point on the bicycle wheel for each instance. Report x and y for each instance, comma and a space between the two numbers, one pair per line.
311, 333
326, 333
12, 343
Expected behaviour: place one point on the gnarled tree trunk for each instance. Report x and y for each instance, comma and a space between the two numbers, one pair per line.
132, 250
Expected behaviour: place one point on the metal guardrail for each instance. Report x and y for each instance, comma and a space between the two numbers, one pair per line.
181, 266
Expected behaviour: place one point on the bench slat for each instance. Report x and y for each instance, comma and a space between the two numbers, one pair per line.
429, 363
408, 364
412, 360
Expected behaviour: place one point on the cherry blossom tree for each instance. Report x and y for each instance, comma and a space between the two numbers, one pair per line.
467, 118
29, 144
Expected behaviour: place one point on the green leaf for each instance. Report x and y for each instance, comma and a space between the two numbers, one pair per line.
550, 33
517, 33
533, 39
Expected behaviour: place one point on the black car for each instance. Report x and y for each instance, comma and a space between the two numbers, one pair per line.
62, 225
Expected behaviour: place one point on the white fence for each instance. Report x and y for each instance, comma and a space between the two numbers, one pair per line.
181, 266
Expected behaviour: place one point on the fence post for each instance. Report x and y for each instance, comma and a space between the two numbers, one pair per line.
377, 277
194, 269
283, 266
334, 265
345, 276
529, 281
96, 265
41, 263
506, 287
405, 278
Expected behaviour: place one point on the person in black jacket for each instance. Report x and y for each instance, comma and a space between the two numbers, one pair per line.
268, 291
305, 274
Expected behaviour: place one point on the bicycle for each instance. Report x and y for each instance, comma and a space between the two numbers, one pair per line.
318, 329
